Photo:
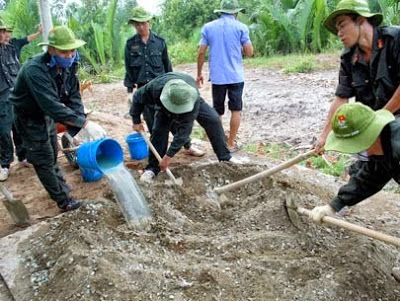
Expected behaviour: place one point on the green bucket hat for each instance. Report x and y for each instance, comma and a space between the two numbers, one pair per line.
2, 24
345, 7
62, 38
10, 28
355, 127
230, 7
140, 15
178, 97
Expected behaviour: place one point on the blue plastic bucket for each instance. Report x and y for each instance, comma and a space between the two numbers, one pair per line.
98, 157
137, 146
90, 175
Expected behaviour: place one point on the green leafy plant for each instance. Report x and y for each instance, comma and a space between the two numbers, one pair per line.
337, 167
272, 150
305, 65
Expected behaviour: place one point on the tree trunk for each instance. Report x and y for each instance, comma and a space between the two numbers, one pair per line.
45, 18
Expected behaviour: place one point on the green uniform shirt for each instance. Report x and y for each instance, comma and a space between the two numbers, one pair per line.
372, 83
9, 66
143, 62
40, 91
368, 178
18, 44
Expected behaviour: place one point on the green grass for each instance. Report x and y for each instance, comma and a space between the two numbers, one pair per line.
85, 72
295, 63
198, 132
282, 152
336, 168
272, 150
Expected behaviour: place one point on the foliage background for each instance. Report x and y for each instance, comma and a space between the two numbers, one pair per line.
276, 27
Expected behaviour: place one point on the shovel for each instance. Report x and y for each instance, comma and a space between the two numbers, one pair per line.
15, 208
293, 211
266, 173
176, 181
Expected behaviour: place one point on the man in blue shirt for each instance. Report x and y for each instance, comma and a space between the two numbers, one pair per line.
228, 39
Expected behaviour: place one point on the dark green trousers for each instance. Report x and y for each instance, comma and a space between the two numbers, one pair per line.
6, 122
39, 137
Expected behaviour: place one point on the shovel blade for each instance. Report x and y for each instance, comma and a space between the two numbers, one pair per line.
291, 209
17, 211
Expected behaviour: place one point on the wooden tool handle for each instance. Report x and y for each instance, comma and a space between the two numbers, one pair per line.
6, 193
355, 228
266, 173
157, 155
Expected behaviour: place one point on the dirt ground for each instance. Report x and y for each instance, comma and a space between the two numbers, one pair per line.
200, 246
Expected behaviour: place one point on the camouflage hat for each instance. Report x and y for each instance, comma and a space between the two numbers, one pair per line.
140, 15
229, 7
2, 24
62, 38
345, 7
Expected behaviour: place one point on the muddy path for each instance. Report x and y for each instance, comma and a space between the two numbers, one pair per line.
200, 246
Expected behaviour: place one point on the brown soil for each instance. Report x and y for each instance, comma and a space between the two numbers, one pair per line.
200, 246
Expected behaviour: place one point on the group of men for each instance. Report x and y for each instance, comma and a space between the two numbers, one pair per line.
44, 91
47, 91
162, 94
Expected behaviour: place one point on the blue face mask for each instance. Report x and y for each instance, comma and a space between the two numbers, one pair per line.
63, 63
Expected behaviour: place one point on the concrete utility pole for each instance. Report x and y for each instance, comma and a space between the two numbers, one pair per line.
45, 17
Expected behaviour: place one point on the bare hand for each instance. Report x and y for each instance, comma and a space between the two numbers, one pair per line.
40, 28
129, 98
138, 127
165, 162
319, 146
200, 81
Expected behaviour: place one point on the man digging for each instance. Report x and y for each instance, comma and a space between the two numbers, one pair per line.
357, 128
177, 103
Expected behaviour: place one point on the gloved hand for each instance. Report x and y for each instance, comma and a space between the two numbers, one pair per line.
129, 97
320, 211
90, 132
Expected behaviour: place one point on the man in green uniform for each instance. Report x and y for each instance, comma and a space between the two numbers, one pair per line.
178, 104
9, 66
370, 62
19, 43
355, 128
47, 91
146, 57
